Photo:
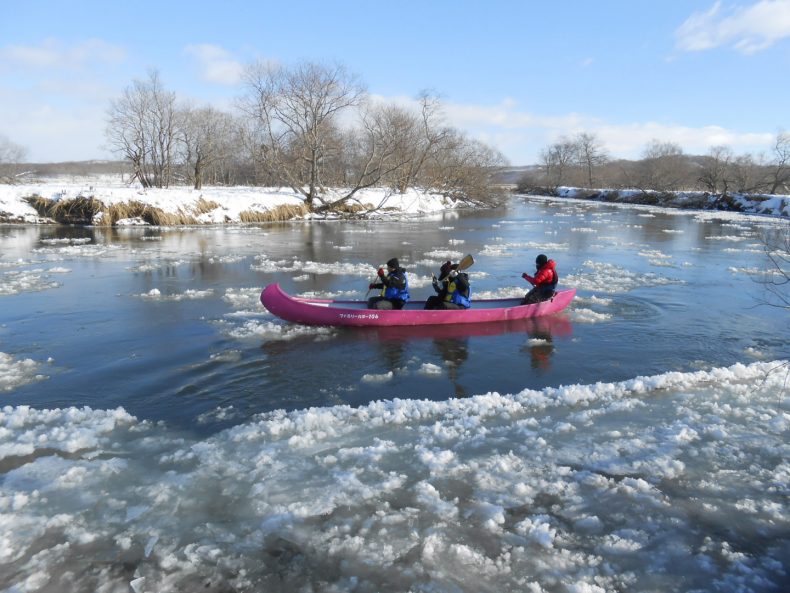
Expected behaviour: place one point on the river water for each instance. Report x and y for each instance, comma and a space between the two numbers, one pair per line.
520, 457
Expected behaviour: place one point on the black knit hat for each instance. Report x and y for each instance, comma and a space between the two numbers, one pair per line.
393, 263
541, 260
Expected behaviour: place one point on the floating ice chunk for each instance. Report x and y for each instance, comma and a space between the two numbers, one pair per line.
18, 281
382, 378
270, 330
430, 369
149, 546
538, 529
190, 294
15, 373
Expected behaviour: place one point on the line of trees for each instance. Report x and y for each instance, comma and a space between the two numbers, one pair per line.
311, 127
11, 157
583, 161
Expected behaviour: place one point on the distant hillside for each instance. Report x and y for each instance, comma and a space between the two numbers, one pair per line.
512, 175
78, 168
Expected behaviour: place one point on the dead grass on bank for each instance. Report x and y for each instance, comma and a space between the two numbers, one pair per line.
82, 210
75, 211
276, 214
151, 215
352, 208
204, 206
39, 204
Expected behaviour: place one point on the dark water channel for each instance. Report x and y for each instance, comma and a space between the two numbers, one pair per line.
166, 322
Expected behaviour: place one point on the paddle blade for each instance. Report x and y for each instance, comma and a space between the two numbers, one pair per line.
466, 262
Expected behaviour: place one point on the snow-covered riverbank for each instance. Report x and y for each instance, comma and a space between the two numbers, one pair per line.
210, 205
769, 205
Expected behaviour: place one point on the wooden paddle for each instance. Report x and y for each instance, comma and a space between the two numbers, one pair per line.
465, 263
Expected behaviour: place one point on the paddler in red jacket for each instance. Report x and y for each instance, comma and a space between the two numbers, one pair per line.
544, 281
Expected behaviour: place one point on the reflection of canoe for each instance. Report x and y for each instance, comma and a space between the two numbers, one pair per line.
544, 326
356, 313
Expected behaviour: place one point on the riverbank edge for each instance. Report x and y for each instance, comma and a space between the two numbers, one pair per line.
762, 204
188, 208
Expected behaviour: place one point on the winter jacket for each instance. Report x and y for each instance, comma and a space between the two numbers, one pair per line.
546, 276
394, 285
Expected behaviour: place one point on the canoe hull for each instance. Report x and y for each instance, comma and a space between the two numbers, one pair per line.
353, 313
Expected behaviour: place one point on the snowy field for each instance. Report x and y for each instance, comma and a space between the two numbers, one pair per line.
231, 201
675, 482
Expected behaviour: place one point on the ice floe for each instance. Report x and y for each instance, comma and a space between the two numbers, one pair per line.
655, 483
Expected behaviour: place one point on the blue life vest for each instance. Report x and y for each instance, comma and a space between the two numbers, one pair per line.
391, 292
454, 295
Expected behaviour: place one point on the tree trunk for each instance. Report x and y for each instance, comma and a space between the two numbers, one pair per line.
198, 174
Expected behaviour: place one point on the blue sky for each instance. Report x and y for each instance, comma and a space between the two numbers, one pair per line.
517, 75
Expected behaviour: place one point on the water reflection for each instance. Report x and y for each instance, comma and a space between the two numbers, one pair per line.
454, 352
540, 345
452, 342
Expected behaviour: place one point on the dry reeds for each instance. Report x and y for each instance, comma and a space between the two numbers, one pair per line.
40, 205
203, 206
82, 210
79, 210
150, 214
351, 208
276, 214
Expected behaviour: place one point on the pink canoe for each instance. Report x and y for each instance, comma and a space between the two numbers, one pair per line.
356, 313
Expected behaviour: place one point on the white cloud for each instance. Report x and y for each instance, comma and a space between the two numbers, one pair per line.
52, 53
747, 29
521, 134
629, 140
216, 64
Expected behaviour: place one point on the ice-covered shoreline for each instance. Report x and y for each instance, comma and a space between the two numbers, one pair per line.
677, 481
763, 204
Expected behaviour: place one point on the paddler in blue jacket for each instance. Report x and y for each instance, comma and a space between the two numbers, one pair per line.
394, 286
452, 287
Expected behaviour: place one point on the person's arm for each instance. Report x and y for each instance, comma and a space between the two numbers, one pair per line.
528, 278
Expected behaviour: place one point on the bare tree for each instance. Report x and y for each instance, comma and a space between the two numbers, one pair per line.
590, 154
557, 161
776, 279
142, 128
463, 169
11, 156
296, 111
662, 168
780, 168
207, 139
426, 134
716, 170
747, 173
372, 153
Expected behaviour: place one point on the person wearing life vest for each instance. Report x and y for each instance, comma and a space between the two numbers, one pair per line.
394, 286
452, 287
544, 282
